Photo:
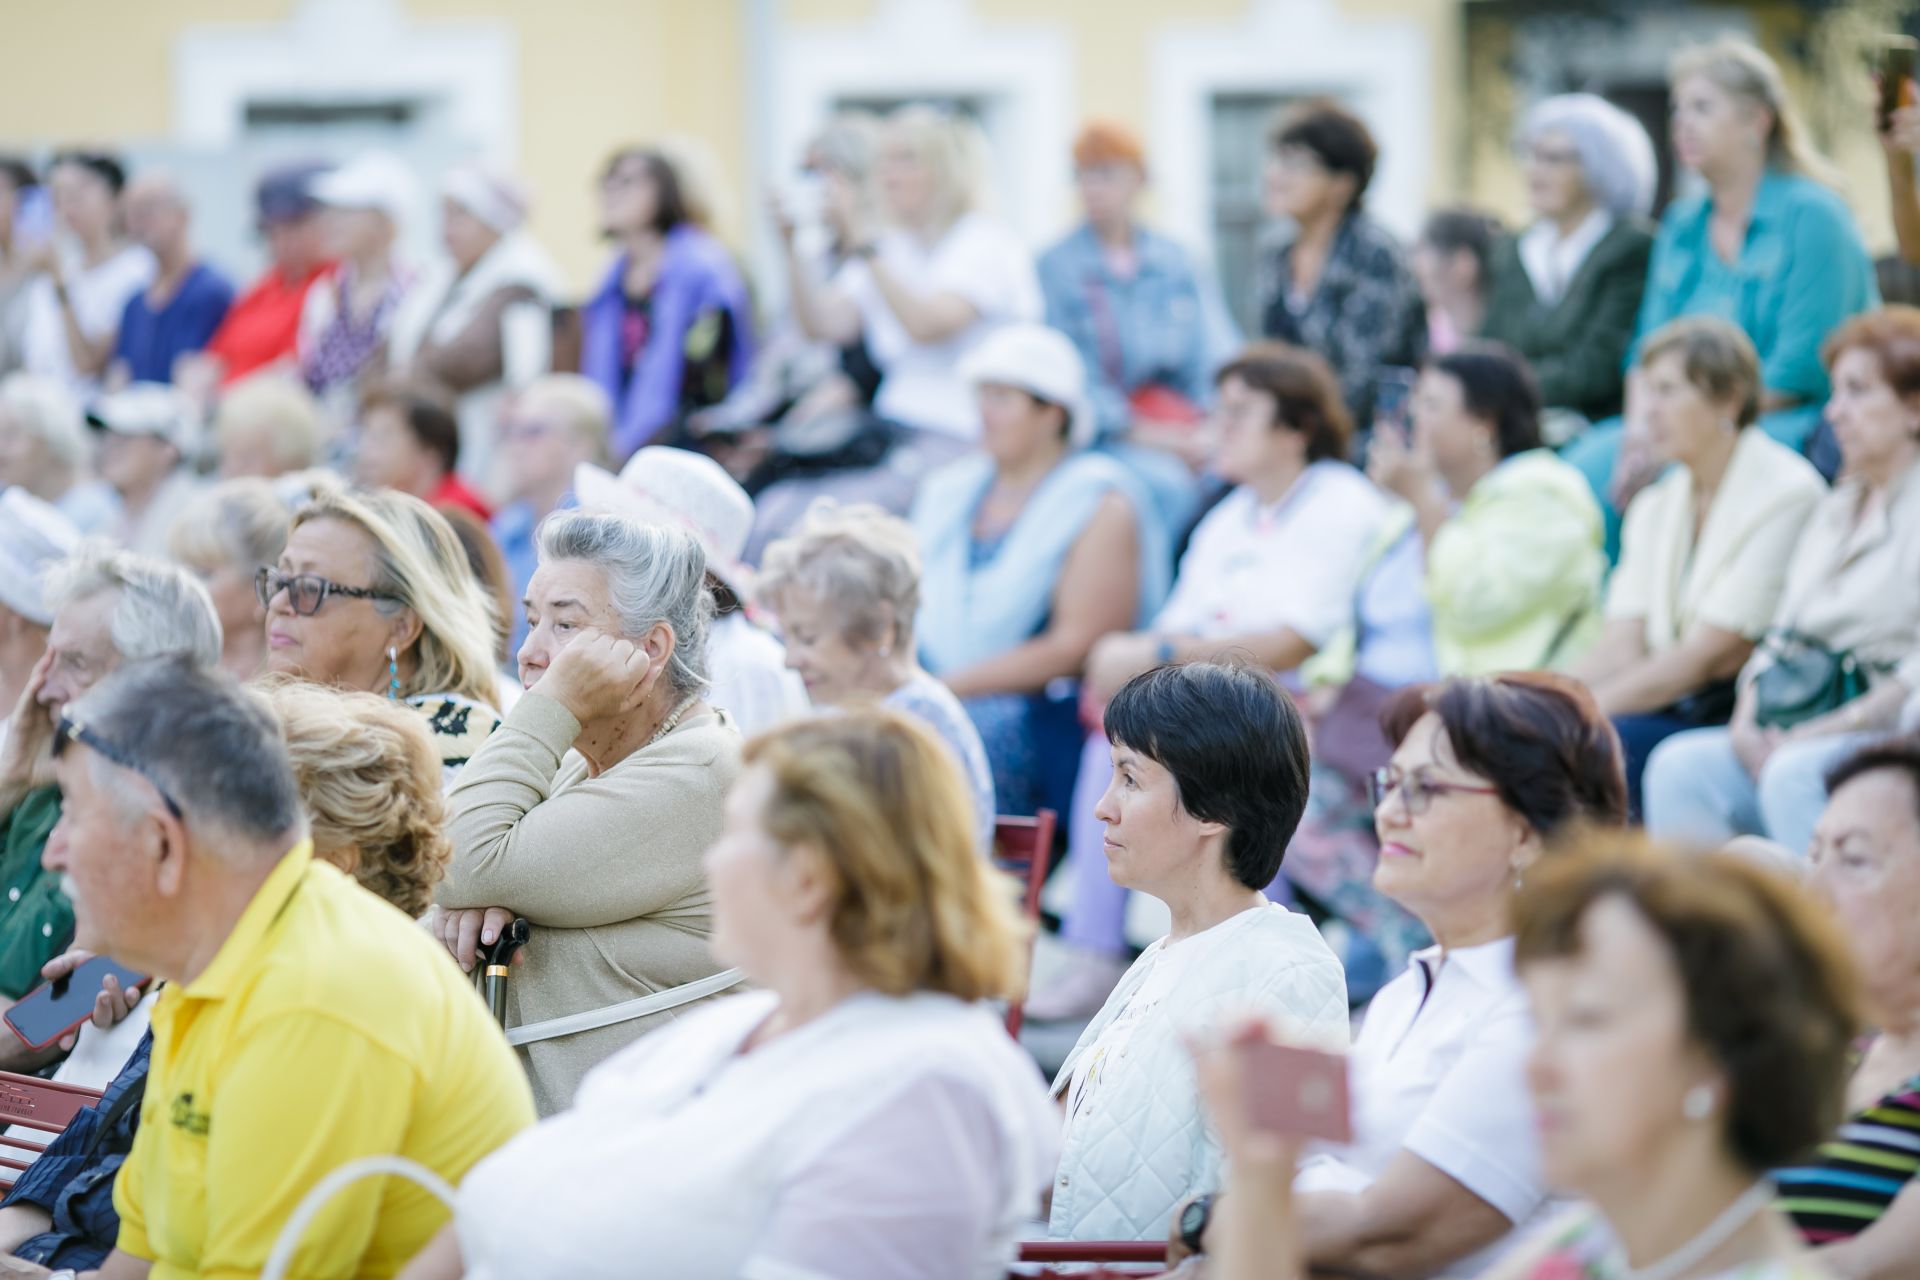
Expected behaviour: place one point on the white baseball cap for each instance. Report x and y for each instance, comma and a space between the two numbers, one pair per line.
1040, 361
145, 409
677, 487
375, 180
34, 537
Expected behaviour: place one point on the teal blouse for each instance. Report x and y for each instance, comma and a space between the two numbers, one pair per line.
1802, 271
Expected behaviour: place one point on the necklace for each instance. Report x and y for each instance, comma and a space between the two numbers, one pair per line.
672, 721
1717, 1233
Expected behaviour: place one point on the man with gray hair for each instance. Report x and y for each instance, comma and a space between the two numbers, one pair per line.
304, 1024
108, 607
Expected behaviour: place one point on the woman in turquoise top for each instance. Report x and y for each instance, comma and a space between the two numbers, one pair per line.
1031, 551
1767, 247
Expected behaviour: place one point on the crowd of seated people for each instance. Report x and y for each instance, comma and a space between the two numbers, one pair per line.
564, 744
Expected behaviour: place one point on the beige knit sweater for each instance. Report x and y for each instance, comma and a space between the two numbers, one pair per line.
607, 869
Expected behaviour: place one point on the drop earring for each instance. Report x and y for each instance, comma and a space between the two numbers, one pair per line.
393, 674
1698, 1103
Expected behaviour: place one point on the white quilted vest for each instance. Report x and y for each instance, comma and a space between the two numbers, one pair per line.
1140, 1144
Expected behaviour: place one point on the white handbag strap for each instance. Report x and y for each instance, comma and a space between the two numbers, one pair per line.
328, 1187
625, 1011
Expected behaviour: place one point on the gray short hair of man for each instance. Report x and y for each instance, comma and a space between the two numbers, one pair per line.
655, 574
212, 746
162, 609
1616, 156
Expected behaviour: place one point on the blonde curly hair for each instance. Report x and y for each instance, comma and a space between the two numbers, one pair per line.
369, 778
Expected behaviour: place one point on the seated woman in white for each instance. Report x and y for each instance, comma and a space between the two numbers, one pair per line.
1209, 781
863, 1116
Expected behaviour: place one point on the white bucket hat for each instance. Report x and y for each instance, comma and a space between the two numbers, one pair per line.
1040, 361
675, 487
34, 537
375, 180
145, 409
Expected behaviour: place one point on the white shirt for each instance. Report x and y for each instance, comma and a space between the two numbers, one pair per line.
1136, 1141
978, 259
1439, 1069
99, 295
1552, 260
888, 1138
750, 676
148, 533
1296, 563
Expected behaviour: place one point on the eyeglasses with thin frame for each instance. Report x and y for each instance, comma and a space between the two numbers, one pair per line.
1417, 789
71, 730
307, 591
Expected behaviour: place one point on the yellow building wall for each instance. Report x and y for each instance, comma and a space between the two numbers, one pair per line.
593, 74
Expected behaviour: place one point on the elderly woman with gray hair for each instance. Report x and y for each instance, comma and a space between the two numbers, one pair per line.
1565, 292
846, 589
588, 810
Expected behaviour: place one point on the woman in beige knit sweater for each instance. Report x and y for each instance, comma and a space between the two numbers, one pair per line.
588, 810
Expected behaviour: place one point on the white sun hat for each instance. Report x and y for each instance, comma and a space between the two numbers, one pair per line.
676, 487
1040, 361
34, 537
375, 180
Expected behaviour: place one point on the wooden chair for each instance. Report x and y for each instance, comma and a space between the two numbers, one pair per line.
1024, 846
42, 1105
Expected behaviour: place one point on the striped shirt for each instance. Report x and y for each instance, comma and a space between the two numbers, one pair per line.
1857, 1173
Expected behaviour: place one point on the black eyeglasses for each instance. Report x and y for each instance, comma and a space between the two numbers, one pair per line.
71, 730
307, 591
1416, 789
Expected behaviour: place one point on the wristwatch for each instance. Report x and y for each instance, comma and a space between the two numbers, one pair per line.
1162, 650
65, 1273
1193, 1221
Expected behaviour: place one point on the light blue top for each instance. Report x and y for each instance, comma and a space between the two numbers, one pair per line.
925, 698
977, 607
1395, 625
1801, 272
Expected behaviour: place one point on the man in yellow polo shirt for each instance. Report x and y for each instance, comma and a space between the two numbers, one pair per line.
305, 1023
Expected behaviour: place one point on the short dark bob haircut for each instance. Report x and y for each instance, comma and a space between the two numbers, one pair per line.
1496, 386
1236, 747
1767, 977
428, 412
1538, 737
1337, 137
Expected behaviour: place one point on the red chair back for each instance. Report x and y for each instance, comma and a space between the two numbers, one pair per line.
1131, 1254
43, 1105
1025, 847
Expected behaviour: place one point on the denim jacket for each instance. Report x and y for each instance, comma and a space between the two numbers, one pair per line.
73, 1179
1151, 330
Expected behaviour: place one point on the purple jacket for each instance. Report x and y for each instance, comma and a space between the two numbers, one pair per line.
696, 276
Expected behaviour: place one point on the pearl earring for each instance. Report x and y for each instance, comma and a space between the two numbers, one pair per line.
1698, 1104
393, 673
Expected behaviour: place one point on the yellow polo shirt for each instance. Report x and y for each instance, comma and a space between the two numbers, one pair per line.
328, 1027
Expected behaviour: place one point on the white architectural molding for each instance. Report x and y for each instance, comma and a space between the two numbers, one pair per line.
347, 51
939, 48
1381, 68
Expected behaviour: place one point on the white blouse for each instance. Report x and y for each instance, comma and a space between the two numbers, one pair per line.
1439, 1070
889, 1138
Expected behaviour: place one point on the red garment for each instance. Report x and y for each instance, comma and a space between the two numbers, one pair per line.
264, 323
452, 493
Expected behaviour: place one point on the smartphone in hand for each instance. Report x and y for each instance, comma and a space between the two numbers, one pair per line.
1392, 398
1895, 60
50, 1011
1298, 1093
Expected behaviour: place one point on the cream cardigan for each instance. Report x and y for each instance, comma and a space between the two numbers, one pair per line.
607, 869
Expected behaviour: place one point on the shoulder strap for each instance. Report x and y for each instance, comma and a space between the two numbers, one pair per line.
625, 1011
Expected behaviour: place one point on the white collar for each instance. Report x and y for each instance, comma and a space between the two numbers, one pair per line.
1489, 965
1552, 259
